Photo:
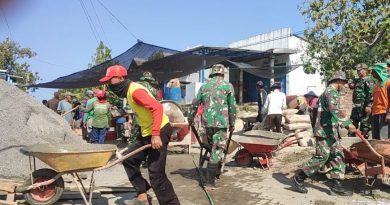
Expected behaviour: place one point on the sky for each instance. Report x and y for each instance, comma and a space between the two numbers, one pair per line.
59, 32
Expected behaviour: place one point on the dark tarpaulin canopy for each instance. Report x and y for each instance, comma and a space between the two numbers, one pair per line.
90, 77
264, 72
175, 64
248, 60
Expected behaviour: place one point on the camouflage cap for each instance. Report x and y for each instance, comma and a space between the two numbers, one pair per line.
361, 66
339, 75
88, 92
217, 69
147, 76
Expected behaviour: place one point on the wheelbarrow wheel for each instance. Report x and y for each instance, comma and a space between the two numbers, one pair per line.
243, 158
45, 195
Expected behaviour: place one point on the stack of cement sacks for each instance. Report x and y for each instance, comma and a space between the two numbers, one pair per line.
298, 126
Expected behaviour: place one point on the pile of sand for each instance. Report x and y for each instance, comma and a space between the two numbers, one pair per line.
24, 121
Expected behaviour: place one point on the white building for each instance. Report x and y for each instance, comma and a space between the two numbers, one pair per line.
278, 60
297, 81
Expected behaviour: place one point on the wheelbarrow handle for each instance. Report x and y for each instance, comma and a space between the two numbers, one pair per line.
288, 141
365, 141
357, 133
226, 152
121, 159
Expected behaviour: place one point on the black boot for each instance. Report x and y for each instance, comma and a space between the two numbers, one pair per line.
212, 169
298, 181
218, 170
339, 189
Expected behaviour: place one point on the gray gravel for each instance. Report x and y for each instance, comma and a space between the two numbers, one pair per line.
24, 121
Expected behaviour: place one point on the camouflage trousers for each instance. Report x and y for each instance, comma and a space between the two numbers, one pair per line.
360, 119
328, 152
135, 132
216, 138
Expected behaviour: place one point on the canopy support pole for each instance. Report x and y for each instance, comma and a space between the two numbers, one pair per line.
203, 65
272, 67
241, 86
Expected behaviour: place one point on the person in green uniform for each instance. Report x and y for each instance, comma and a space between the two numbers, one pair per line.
330, 117
219, 105
101, 117
362, 100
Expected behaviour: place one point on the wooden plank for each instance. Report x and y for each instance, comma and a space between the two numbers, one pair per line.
115, 189
73, 195
8, 187
2, 202
11, 197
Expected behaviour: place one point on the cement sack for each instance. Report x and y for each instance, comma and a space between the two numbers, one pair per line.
25, 121
296, 126
283, 120
297, 118
247, 115
258, 126
289, 112
238, 125
293, 104
305, 139
298, 131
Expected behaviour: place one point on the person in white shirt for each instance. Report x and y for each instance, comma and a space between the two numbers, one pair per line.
274, 106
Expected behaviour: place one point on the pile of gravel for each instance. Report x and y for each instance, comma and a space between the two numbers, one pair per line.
24, 121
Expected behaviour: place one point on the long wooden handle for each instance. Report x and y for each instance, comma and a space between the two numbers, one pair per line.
121, 159
365, 141
65, 113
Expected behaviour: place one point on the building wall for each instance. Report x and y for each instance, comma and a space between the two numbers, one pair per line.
297, 81
265, 41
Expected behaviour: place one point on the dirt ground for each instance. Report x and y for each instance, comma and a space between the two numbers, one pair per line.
251, 185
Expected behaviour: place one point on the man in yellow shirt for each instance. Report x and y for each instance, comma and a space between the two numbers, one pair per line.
155, 130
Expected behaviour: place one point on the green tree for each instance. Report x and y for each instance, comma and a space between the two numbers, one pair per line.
12, 56
102, 54
156, 55
343, 33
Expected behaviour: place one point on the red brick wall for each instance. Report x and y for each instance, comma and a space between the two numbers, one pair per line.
346, 101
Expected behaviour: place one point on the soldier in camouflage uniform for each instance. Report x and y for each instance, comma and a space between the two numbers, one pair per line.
362, 100
146, 80
328, 149
219, 104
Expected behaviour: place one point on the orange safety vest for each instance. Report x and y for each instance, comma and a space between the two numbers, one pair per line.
144, 115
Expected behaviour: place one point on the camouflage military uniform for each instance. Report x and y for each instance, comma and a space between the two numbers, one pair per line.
328, 149
219, 104
145, 81
362, 98
219, 112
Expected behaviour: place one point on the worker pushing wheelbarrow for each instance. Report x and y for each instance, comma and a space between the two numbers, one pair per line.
46, 185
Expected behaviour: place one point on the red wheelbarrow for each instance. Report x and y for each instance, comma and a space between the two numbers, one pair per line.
261, 145
371, 158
